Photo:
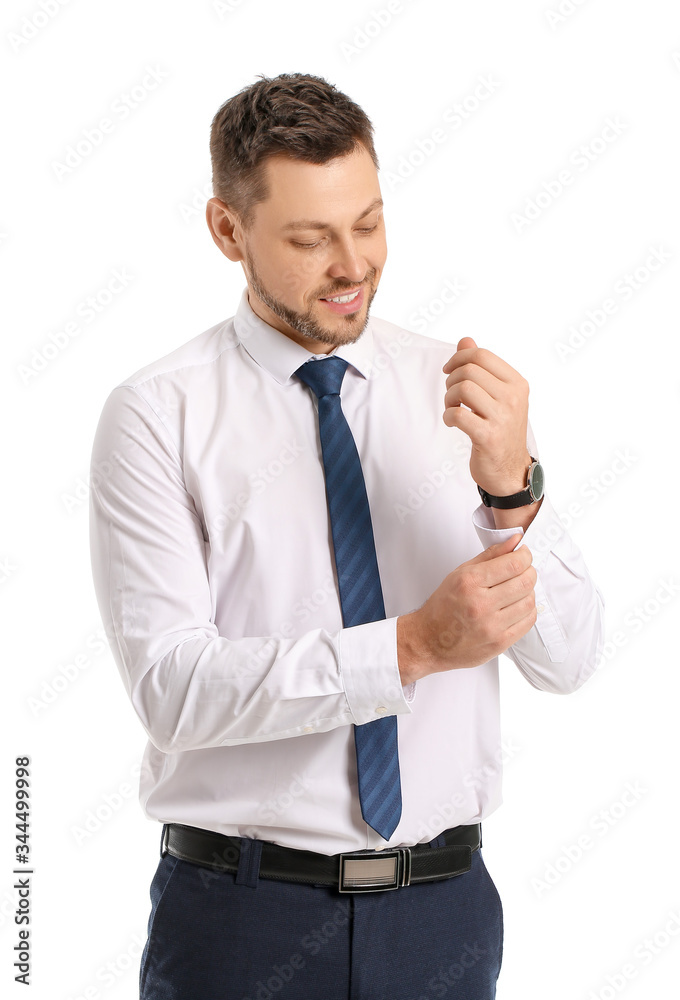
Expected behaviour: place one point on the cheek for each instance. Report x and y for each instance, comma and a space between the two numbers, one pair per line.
379, 256
297, 277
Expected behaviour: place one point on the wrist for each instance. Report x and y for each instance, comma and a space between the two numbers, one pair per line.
517, 517
510, 480
410, 649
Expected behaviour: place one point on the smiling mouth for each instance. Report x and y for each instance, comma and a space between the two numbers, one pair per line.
347, 303
347, 297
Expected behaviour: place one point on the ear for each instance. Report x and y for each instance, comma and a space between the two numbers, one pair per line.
225, 229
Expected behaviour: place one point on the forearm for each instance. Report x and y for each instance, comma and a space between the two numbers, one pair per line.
214, 691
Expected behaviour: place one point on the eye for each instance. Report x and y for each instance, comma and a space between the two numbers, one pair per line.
311, 246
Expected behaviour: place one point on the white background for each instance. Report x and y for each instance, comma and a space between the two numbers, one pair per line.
126, 205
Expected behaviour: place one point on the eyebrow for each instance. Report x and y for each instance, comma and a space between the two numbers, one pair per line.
315, 224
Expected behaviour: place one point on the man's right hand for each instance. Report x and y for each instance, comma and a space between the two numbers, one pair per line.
477, 612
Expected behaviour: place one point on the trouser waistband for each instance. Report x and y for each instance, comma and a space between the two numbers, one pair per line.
356, 871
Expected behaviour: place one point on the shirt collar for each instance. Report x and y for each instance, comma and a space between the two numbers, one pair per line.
281, 356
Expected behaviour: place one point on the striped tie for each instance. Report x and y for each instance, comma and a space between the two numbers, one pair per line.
361, 596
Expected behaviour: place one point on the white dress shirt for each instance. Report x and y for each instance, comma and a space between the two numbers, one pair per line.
213, 568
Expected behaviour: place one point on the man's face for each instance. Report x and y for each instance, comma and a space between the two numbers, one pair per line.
320, 234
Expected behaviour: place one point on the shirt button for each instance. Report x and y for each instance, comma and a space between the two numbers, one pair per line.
381, 709
308, 729
540, 608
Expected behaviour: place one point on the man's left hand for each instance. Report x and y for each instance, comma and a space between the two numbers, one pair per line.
496, 421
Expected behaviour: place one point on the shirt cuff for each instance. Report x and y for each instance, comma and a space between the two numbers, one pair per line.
370, 671
487, 532
541, 536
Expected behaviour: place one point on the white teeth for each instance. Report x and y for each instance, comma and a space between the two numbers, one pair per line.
344, 298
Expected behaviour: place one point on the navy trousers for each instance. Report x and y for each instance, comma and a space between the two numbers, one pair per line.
223, 936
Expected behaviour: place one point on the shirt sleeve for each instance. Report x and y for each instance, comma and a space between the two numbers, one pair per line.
565, 645
190, 686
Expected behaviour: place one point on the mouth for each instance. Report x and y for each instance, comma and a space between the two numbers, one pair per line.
347, 302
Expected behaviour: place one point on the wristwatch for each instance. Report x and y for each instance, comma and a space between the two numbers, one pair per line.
532, 493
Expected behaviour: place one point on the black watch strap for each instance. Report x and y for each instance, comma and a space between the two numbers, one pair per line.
521, 499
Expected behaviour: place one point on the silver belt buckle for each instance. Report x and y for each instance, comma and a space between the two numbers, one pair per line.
375, 872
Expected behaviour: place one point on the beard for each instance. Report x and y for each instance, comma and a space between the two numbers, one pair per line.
305, 323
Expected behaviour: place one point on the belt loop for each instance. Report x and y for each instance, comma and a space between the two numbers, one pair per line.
249, 862
164, 843
439, 841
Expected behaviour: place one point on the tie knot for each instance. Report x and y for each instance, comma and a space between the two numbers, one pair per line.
324, 376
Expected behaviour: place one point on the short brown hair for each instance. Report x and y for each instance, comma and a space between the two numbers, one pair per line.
294, 113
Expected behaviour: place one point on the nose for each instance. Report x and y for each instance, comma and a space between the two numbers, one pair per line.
348, 262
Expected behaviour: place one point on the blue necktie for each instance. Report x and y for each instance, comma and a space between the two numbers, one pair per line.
361, 596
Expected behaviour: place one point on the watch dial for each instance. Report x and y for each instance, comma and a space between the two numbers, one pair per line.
537, 481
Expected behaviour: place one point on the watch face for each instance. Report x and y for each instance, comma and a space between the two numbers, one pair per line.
536, 480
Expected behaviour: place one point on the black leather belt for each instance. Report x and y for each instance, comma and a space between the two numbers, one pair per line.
358, 871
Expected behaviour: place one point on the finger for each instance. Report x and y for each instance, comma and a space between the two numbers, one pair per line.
504, 567
466, 342
478, 376
507, 545
519, 588
473, 395
470, 423
514, 623
466, 345
485, 359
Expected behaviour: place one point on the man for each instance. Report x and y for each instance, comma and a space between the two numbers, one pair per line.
306, 598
